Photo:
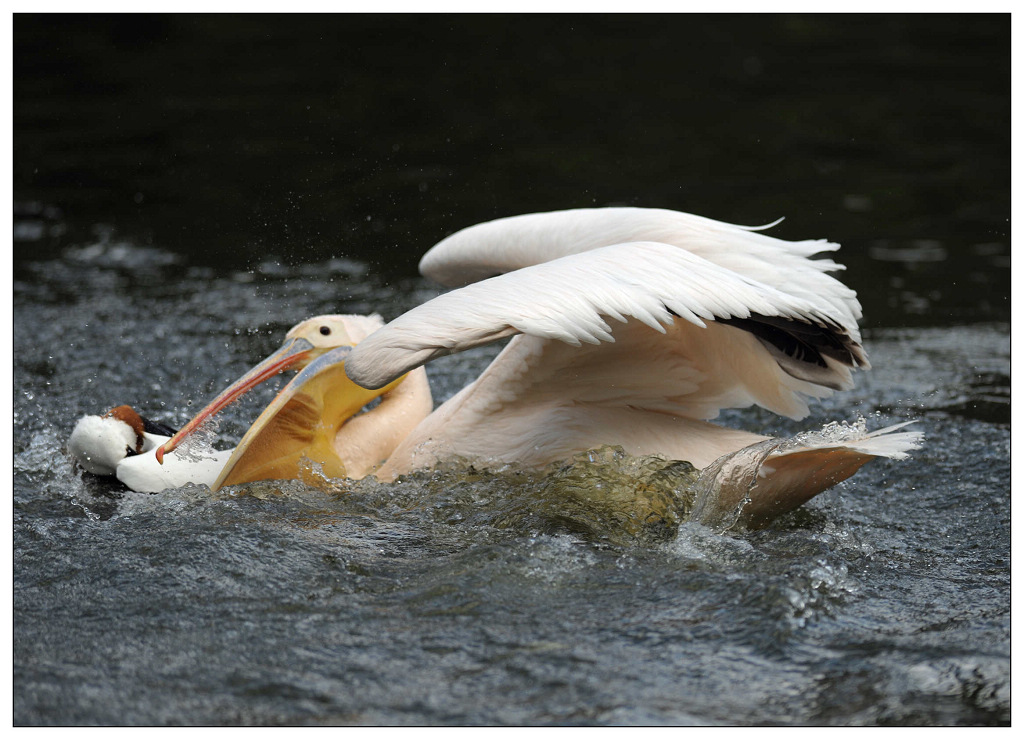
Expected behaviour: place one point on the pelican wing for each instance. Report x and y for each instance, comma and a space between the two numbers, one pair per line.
509, 244
734, 321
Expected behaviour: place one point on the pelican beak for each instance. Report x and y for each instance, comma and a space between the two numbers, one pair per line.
296, 352
299, 426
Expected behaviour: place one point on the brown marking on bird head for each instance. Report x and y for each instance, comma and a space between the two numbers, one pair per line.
130, 417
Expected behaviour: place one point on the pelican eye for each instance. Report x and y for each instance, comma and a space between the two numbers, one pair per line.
325, 330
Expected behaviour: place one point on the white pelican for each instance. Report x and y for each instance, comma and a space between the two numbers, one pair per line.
633, 327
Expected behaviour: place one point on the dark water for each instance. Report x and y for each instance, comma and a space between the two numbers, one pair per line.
188, 188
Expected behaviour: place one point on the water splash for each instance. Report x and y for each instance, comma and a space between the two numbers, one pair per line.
601, 495
884, 442
723, 490
834, 432
199, 445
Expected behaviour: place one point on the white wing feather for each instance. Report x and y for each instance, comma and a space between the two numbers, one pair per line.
569, 298
509, 244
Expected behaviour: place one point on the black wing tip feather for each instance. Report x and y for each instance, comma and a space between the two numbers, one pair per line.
801, 347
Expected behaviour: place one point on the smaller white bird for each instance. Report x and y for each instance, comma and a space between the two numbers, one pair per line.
122, 443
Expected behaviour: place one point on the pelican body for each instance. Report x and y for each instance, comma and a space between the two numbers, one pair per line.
630, 327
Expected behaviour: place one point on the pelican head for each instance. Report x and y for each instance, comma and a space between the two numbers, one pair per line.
304, 344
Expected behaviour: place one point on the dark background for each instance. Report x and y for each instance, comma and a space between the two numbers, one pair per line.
231, 139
